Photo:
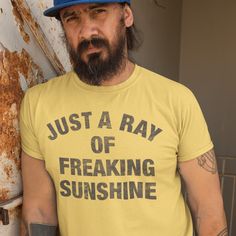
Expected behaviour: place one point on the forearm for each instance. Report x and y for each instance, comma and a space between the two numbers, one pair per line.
204, 195
39, 212
210, 223
36, 229
209, 228
36, 224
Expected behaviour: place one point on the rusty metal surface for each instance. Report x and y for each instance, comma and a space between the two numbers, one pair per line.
9, 211
17, 72
16, 69
20, 22
27, 57
23, 12
52, 30
12, 24
13, 228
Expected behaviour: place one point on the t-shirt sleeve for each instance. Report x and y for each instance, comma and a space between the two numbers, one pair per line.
194, 138
29, 142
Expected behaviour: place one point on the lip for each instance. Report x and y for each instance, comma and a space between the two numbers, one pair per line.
92, 49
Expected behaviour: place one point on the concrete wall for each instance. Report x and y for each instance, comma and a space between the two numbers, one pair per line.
208, 65
160, 27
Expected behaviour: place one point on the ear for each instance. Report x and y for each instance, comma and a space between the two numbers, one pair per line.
128, 16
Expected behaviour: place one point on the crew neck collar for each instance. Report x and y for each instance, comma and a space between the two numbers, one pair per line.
110, 88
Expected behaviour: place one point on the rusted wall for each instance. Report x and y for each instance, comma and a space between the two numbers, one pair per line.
20, 22
22, 37
51, 29
23, 15
16, 71
26, 59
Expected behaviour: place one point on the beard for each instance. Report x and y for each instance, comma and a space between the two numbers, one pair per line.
98, 68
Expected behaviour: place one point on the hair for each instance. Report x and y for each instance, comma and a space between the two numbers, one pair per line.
133, 36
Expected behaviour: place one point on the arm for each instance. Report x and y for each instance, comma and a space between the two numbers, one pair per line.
39, 202
203, 188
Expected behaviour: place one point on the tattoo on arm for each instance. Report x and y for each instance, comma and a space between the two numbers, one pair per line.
35, 229
208, 162
224, 232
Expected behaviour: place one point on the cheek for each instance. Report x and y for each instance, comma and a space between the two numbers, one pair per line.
110, 35
108, 28
72, 38
117, 33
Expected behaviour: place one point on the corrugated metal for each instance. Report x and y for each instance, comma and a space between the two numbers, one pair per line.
27, 57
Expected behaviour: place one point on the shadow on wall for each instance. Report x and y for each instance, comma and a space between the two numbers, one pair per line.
160, 24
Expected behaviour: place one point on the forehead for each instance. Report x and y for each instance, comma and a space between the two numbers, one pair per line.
85, 7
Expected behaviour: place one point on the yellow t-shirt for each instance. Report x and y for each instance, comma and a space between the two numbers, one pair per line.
112, 152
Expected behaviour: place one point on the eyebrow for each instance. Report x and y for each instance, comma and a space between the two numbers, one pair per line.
68, 13
94, 6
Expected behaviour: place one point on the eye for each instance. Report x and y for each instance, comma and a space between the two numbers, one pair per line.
71, 18
98, 11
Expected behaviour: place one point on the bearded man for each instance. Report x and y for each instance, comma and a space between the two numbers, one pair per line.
105, 144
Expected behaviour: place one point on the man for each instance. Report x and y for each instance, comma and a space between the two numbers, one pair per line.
103, 145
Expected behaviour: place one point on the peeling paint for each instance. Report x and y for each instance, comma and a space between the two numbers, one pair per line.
15, 213
8, 170
23, 48
23, 83
42, 5
2, 47
26, 16
20, 22
4, 194
13, 66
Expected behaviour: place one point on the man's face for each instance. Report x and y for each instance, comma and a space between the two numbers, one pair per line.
96, 35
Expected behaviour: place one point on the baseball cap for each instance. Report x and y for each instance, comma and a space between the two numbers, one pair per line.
60, 4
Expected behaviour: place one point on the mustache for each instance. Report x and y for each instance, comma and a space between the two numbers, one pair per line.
96, 42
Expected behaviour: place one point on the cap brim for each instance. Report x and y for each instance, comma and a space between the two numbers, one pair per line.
54, 11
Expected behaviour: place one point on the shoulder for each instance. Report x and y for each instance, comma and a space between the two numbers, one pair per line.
45, 96
165, 87
50, 87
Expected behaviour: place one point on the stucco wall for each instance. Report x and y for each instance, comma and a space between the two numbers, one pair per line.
208, 65
160, 27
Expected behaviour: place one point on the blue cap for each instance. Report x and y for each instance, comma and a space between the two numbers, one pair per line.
60, 4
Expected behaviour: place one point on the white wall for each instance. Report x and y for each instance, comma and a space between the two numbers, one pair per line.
208, 65
161, 34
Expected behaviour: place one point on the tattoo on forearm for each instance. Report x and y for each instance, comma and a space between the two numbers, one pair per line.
35, 229
208, 162
224, 232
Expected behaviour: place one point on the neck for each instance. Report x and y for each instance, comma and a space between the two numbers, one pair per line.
124, 74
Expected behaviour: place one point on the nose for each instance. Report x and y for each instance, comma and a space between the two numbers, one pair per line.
88, 28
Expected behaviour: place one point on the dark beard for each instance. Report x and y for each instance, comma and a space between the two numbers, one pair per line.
97, 69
